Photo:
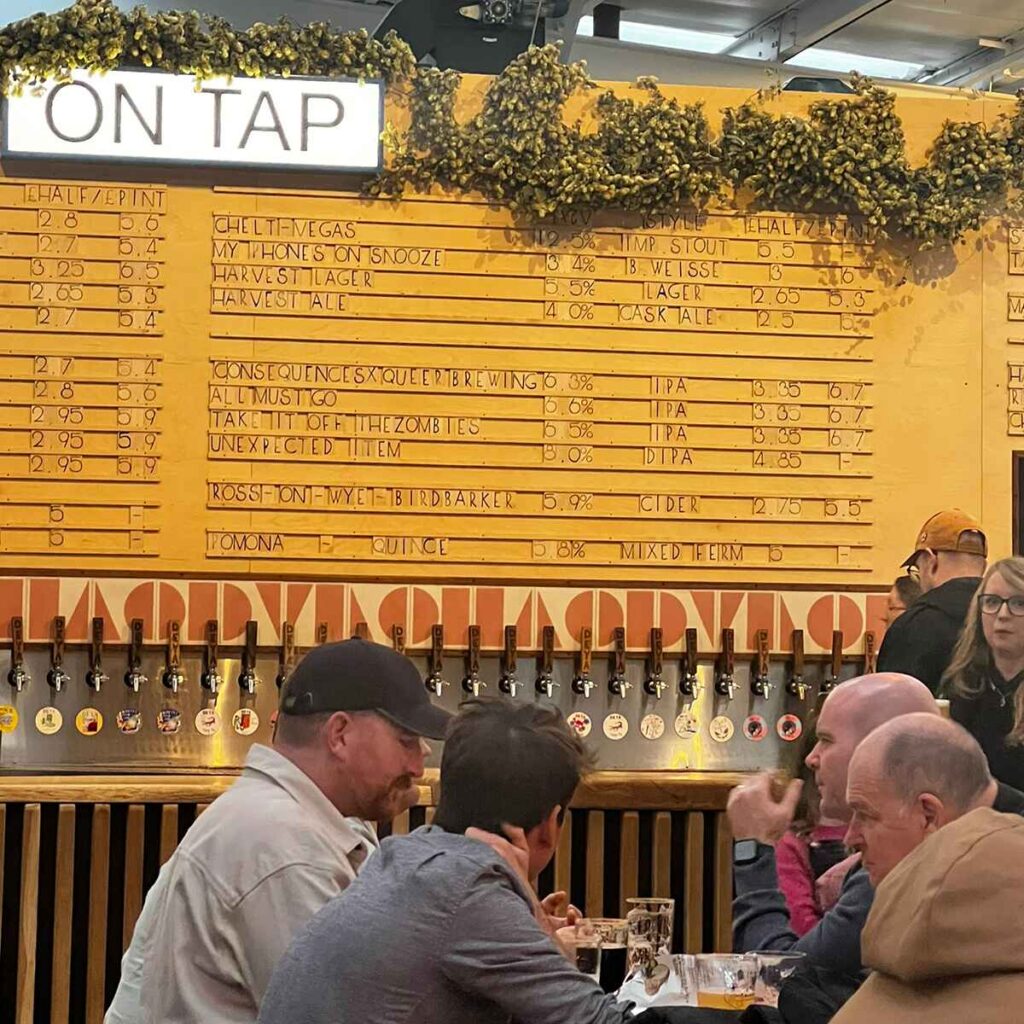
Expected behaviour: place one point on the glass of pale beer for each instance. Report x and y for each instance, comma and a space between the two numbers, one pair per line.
725, 982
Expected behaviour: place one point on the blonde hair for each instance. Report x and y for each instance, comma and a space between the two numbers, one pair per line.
971, 665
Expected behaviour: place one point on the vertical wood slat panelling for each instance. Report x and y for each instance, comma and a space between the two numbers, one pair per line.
168, 831
135, 837
722, 885
99, 882
563, 859
595, 864
63, 895
28, 922
676, 841
693, 921
661, 869
629, 860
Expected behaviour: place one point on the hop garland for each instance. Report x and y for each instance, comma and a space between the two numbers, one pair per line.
651, 154
97, 36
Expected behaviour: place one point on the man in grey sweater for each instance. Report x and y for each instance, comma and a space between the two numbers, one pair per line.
443, 925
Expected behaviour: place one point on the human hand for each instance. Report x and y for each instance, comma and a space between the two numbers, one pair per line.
512, 848
754, 813
551, 905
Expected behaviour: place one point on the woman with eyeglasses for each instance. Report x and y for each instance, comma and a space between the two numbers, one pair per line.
984, 677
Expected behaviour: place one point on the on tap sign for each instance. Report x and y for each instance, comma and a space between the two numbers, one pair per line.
296, 123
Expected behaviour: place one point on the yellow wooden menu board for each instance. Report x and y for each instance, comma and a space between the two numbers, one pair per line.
227, 381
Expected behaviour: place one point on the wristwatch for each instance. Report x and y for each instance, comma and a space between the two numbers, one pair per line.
745, 851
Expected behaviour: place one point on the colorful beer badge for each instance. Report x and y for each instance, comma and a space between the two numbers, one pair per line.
128, 721
789, 728
687, 725
89, 721
207, 722
721, 729
580, 723
168, 721
755, 728
49, 721
8, 718
615, 726
652, 727
245, 721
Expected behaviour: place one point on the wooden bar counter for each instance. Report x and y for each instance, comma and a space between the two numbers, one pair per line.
77, 854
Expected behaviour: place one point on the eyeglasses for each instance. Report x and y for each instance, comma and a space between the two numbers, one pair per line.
992, 604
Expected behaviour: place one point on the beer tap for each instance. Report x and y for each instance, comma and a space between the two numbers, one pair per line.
545, 677
760, 683
286, 656
796, 685
57, 677
583, 682
247, 677
398, 638
509, 683
725, 682
618, 685
655, 684
435, 681
210, 679
96, 677
870, 654
831, 680
173, 677
472, 683
689, 680
18, 676
361, 631
134, 677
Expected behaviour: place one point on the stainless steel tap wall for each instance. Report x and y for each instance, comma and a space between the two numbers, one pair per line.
682, 734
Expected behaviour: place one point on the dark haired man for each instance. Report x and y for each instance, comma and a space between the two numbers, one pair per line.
439, 927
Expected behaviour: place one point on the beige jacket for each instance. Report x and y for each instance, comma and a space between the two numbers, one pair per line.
251, 871
945, 937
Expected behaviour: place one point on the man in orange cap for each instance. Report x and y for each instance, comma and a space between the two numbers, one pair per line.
949, 561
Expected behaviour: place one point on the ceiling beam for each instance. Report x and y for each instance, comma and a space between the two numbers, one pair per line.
799, 26
978, 68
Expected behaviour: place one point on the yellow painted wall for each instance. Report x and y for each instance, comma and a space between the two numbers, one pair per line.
284, 382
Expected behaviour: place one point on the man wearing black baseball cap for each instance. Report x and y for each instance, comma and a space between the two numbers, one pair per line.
284, 840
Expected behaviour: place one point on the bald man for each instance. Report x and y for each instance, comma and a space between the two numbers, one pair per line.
908, 779
760, 913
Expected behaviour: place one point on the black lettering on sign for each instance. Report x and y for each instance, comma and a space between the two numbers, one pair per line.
643, 314
245, 543
410, 547
276, 127
154, 131
669, 504
639, 243
662, 291
651, 551
698, 246
382, 451
668, 457
697, 316
336, 116
218, 96
718, 552
401, 256
668, 385
242, 444
97, 116
1015, 307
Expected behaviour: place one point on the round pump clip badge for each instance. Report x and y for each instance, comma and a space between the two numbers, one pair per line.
207, 722
652, 727
721, 729
615, 726
8, 718
49, 721
168, 721
245, 721
687, 725
580, 723
755, 728
129, 721
789, 728
89, 721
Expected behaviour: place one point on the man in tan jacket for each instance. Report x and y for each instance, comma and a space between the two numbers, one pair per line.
943, 938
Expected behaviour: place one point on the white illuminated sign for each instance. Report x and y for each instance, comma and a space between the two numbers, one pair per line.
293, 123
